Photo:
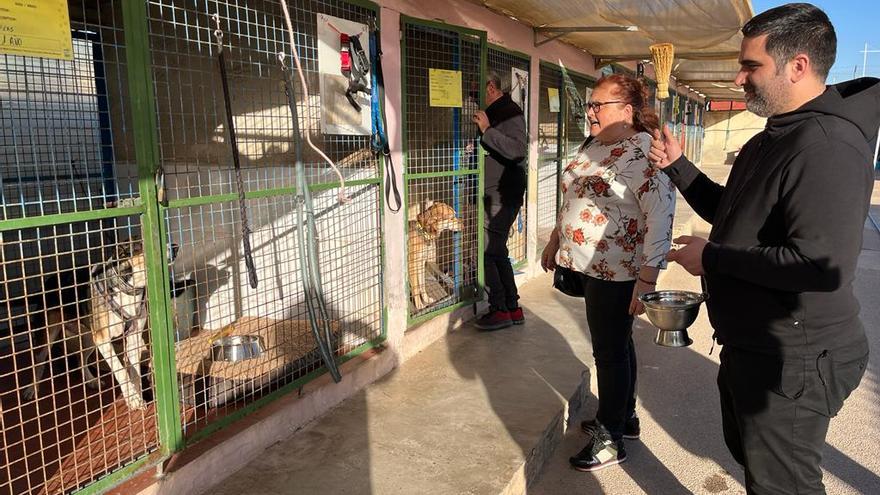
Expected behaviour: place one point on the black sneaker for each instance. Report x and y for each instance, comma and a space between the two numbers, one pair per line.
599, 453
631, 429
494, 320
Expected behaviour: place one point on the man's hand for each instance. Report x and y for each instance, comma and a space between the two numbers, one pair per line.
665, 149
690, 256
482, 120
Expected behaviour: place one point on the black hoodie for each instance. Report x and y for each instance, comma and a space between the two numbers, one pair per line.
787, 227
507, 145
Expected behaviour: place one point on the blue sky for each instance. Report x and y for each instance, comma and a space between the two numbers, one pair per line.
856, 22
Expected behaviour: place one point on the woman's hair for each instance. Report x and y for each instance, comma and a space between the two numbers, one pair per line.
634, 92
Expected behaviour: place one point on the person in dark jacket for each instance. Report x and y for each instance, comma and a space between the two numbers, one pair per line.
505, 140
781, 257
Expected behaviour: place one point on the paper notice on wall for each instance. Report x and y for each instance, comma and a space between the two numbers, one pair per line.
36, 29
588, 92
519, 89
338, 115
553, 96
444, 88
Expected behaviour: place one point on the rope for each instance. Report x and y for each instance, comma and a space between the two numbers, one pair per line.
239, 182
302, 78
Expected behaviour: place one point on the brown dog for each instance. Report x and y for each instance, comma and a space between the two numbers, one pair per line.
119, 309
422, 249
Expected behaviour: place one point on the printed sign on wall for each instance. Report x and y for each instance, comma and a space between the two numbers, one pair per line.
444, 88
36, 29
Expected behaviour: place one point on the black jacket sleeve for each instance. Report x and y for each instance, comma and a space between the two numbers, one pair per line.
509, 139
823, 195
697, 188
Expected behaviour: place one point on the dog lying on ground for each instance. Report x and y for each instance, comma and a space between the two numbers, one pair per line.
422, 249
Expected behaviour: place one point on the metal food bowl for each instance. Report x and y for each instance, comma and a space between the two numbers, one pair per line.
237, 348
672, 312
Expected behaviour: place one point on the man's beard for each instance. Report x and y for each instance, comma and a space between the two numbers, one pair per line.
766, 101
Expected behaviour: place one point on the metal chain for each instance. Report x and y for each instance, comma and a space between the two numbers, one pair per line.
239, 182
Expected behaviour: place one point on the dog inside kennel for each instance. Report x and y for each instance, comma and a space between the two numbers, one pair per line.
443, 89
266, 272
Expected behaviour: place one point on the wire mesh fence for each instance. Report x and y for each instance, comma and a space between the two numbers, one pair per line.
77, 389
78, 393
442, 168
514, 71
206, 223
549, 149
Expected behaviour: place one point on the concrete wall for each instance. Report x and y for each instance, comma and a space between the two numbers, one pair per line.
727, 132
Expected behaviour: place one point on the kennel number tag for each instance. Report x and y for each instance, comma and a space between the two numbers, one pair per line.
36, 28
444, 88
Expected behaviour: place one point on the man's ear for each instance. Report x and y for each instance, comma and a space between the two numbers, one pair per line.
799, 67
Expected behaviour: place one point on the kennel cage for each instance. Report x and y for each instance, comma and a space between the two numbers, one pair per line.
514, 66
549, 149
443, 80
81, 221
203, 215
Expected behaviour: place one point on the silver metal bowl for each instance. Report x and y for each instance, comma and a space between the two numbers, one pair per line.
237, 348
672, 312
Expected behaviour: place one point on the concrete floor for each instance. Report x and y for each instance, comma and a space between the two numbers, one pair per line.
473, 413
479, 413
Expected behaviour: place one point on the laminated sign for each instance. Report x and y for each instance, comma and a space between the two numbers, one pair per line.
36, 28
444, 88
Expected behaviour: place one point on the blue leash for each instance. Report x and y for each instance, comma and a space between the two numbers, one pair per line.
379, 140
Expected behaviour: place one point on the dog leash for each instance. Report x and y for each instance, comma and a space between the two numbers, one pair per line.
379, 140
239, 183
306, 231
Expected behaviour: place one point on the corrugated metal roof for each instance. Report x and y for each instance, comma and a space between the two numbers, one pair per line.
706, 33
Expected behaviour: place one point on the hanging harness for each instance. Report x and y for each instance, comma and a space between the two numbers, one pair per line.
379, 140
355, 66
239, 183
306, 232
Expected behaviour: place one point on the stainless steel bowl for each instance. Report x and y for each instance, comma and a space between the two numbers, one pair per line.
672, 312
237, 348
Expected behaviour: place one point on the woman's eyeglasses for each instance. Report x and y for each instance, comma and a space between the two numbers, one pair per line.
597, 105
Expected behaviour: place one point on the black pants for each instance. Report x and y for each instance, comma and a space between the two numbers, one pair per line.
496, 259
613, 350
775, 414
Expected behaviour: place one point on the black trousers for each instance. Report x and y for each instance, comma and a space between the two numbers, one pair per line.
496, 258
613, 350
775, 414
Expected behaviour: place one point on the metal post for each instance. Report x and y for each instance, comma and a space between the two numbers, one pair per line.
145, 128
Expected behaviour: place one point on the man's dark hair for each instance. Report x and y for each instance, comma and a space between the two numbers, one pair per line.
796, 28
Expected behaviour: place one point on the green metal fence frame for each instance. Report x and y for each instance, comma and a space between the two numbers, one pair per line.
144, 125
482, 35
492, 46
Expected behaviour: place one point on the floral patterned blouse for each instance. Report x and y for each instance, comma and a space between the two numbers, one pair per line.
616, 212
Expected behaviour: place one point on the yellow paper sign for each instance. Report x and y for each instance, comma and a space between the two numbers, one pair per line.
36, 28
444, 88
553, 97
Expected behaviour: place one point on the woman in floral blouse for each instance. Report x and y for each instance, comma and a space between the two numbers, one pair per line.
615, 228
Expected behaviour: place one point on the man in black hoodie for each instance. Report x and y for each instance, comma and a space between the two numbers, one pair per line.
506, 142
781, 257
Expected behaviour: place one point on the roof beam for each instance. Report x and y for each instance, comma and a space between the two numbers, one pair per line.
607, 59
557, 32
